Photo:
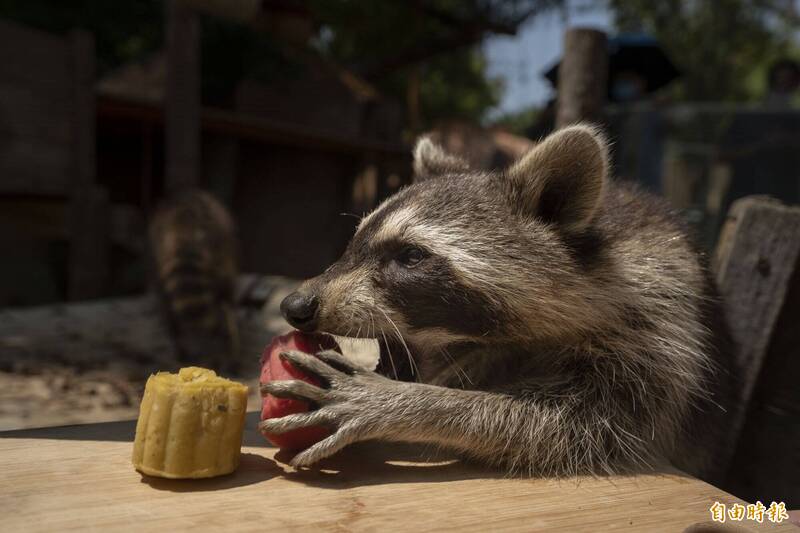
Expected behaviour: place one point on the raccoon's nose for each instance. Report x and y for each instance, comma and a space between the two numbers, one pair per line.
300, 310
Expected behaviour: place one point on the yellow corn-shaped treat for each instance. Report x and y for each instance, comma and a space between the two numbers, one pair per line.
190, 425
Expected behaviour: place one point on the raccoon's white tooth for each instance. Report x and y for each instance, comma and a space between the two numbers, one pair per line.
363, 352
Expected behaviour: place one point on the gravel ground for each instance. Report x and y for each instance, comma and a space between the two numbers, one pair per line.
88, 362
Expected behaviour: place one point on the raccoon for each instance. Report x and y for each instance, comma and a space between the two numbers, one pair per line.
193, 246
554, 322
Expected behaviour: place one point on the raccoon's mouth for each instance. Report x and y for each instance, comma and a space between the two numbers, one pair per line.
393, 361
371, 340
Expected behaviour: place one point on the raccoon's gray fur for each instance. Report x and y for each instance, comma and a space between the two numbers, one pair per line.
193, 245
557, 322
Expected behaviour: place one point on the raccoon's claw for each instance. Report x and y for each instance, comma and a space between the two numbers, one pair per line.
312, 365
288, 423
355, 403
338, 361
295, 390
326, 447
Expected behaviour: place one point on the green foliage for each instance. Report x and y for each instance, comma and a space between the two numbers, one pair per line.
451, 86
230, 53
123, 31
383, 41
519, 122
719, 45
453, 79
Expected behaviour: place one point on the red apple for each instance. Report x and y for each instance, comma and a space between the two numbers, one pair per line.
273, 368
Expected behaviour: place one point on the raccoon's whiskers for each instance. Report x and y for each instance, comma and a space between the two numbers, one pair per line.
371, 325
350, 322
389, 351
453, 364
459, 371
414, 369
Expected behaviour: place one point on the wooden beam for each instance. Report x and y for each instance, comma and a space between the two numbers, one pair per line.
182, 100
753, 265
257, 130
239, 10
89, 208
582, 76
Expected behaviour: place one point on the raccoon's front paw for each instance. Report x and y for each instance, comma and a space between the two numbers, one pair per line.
354, 402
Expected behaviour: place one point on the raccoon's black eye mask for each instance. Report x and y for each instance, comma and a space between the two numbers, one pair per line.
410, 256
404, 254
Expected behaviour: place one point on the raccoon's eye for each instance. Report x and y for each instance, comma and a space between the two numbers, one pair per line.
410, 257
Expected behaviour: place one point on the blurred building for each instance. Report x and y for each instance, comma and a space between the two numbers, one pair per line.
702, 157
83, 162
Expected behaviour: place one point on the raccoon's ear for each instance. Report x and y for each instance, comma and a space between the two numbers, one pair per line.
430, 161
562, 178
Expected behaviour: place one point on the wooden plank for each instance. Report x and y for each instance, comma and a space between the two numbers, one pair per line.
36, 129
32, 218
32, 58
89, 269
265, 176
83, 108
319, 103
754, 262
582, 76
221, 161
80, 477
182, 101
29, 167
771, 428
89, 246
44, 117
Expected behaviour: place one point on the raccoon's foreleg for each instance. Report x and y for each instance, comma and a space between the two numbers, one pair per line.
355, 402
361, 405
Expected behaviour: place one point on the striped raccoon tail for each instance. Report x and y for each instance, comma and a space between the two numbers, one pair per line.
193, 245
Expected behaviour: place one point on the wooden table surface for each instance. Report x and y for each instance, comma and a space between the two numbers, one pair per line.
80, 477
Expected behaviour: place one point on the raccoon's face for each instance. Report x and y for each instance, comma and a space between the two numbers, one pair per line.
463, 256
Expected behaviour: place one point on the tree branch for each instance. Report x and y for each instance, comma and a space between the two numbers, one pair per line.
466, 32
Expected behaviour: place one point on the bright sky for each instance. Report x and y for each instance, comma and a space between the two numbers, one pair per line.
520, 60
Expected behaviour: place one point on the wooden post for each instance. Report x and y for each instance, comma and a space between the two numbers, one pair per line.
182, 101
221, 166
89, 210
754, 263
582, 76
